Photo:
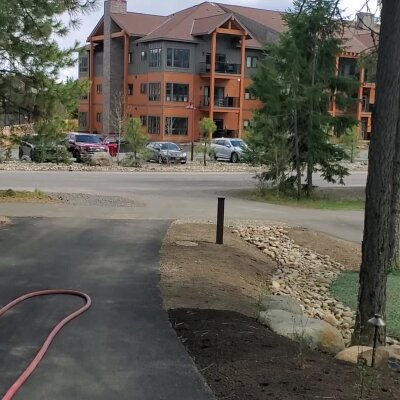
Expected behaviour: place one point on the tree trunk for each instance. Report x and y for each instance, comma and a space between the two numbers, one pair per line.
383, 186
118, 148
297, 151
310, 158
205, 152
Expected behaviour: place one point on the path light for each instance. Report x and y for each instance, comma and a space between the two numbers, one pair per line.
377, 322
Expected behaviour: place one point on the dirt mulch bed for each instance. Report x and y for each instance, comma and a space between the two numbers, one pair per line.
346, 253
242, 360
229, 277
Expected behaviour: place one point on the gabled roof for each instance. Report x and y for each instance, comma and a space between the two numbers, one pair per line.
204, 18
178, 26
205, 26
137, 24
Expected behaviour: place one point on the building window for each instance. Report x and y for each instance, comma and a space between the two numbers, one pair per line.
251, 62
178, 58
99, 117
130, 89
130, 58
99, 59
143, 88
143, 55
153, 125
177, 92
155, 58
143, 120
83, 65
176, 126
155, 91
99, 88
248, 95
82, 118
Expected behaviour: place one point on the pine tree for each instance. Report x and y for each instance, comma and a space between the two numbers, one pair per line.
296, 81
30, 57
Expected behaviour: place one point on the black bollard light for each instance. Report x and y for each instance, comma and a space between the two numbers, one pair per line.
376, 322
220, 220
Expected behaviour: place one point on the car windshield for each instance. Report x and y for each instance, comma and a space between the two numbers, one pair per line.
169, 146
238, 143
88, 139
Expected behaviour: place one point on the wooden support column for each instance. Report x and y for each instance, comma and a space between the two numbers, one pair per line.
212, 73
91, 92
334, 95
360, 97
242, 81
126, 72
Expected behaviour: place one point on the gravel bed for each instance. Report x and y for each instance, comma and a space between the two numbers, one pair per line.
212, 166
81, 199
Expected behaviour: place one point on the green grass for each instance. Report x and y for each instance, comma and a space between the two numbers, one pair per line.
22, 195
319, 201
345, 289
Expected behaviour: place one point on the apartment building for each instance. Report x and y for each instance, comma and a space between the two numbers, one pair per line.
171, 71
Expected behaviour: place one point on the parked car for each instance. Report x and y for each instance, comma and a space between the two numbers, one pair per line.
164, 152
228, 149
112, 143
83, 146
30, 149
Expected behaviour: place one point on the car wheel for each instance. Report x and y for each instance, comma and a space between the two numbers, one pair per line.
215, 157
160, 160
234, 158
77, 156
25, 159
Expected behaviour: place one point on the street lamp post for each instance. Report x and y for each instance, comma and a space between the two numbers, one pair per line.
192, 107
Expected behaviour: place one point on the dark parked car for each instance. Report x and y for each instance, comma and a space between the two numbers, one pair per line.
165, 152
83, 146
30, 149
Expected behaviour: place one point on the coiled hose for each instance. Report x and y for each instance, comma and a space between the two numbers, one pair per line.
39, 356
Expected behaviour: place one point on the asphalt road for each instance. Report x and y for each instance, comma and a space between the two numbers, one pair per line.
176, 195
123, 347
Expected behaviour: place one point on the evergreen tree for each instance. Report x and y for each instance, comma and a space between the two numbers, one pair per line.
297, 80
30, 57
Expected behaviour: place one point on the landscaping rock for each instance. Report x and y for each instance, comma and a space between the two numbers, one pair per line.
381, 358
285, 303
100, 160
316, 334
352, 354
302, 274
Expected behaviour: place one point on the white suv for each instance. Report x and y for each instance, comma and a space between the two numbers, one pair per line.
228, 149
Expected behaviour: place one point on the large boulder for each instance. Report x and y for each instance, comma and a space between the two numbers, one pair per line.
100, 160
381, 357
352, 354
285, 303
316, 334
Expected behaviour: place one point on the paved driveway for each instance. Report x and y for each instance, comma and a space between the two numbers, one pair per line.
124, 347
176, 196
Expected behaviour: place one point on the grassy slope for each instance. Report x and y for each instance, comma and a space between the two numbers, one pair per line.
317, 202
345, 289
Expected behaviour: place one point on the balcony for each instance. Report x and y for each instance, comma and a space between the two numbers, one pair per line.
221, 68
220, 102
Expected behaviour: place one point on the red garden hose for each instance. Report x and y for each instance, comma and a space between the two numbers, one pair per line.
35, 362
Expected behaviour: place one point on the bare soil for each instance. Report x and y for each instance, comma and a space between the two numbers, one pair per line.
242, 360
212, 293
228, 277
346, 253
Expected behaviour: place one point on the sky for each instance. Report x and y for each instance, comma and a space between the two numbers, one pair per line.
166, 7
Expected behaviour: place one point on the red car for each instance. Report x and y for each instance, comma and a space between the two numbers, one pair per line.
83, 146
112, 143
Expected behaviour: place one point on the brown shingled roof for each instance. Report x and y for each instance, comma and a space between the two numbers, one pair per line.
268, 18
178, 26
203, 18
137, 24
204, 26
